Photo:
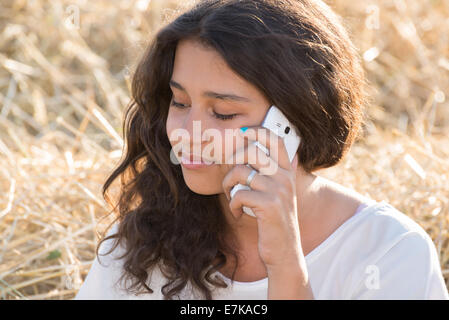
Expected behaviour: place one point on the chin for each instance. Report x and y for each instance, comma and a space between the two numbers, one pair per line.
200, 186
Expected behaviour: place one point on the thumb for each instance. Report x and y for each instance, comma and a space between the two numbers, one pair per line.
295, 162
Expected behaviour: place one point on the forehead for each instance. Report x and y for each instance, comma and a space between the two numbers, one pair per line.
200, 68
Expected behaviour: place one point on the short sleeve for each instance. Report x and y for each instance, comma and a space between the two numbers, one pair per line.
101, 279
409, 270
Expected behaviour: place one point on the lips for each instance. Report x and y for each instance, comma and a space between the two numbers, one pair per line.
195, 159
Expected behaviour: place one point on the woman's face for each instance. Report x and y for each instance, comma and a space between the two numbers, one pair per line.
196, 72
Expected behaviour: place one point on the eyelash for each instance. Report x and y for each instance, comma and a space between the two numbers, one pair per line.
223, 117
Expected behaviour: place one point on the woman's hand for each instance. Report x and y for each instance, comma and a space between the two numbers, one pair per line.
272, 198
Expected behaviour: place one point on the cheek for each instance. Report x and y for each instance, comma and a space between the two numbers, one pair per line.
173, 122
228, 147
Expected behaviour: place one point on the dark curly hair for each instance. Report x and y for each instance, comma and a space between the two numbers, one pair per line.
296, 52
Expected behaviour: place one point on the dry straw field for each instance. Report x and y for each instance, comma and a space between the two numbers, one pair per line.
64, 81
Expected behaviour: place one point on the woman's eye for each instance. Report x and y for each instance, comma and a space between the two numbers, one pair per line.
178, 105
224, 116
216, 115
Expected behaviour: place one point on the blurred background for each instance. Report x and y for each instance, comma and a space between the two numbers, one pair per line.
65, 71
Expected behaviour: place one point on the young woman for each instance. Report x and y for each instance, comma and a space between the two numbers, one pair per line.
179, 235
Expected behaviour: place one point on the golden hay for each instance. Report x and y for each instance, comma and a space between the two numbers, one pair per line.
64, 82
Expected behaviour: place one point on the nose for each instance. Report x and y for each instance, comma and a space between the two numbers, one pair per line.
195, 123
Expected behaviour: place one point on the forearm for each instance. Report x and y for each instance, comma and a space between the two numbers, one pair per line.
289, 283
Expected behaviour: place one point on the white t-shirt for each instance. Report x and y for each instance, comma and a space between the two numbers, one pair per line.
378, 253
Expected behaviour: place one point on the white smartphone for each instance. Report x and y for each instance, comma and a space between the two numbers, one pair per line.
278, 123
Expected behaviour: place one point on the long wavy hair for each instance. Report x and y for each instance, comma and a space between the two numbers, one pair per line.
296, 52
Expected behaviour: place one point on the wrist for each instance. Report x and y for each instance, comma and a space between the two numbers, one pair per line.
295, 266
288, 271
291, 281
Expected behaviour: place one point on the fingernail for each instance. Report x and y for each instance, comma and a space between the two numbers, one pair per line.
243, 129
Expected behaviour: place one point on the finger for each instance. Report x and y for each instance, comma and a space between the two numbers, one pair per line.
256, 158
271, 141
247, 198
239, 174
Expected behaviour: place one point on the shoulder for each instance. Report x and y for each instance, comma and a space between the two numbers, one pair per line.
379, 226
361, 237
388, 247
378, 220
104, 279
386, 255
109, 251
395, 258
382, 223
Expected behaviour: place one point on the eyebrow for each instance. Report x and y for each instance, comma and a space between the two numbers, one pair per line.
214, 95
